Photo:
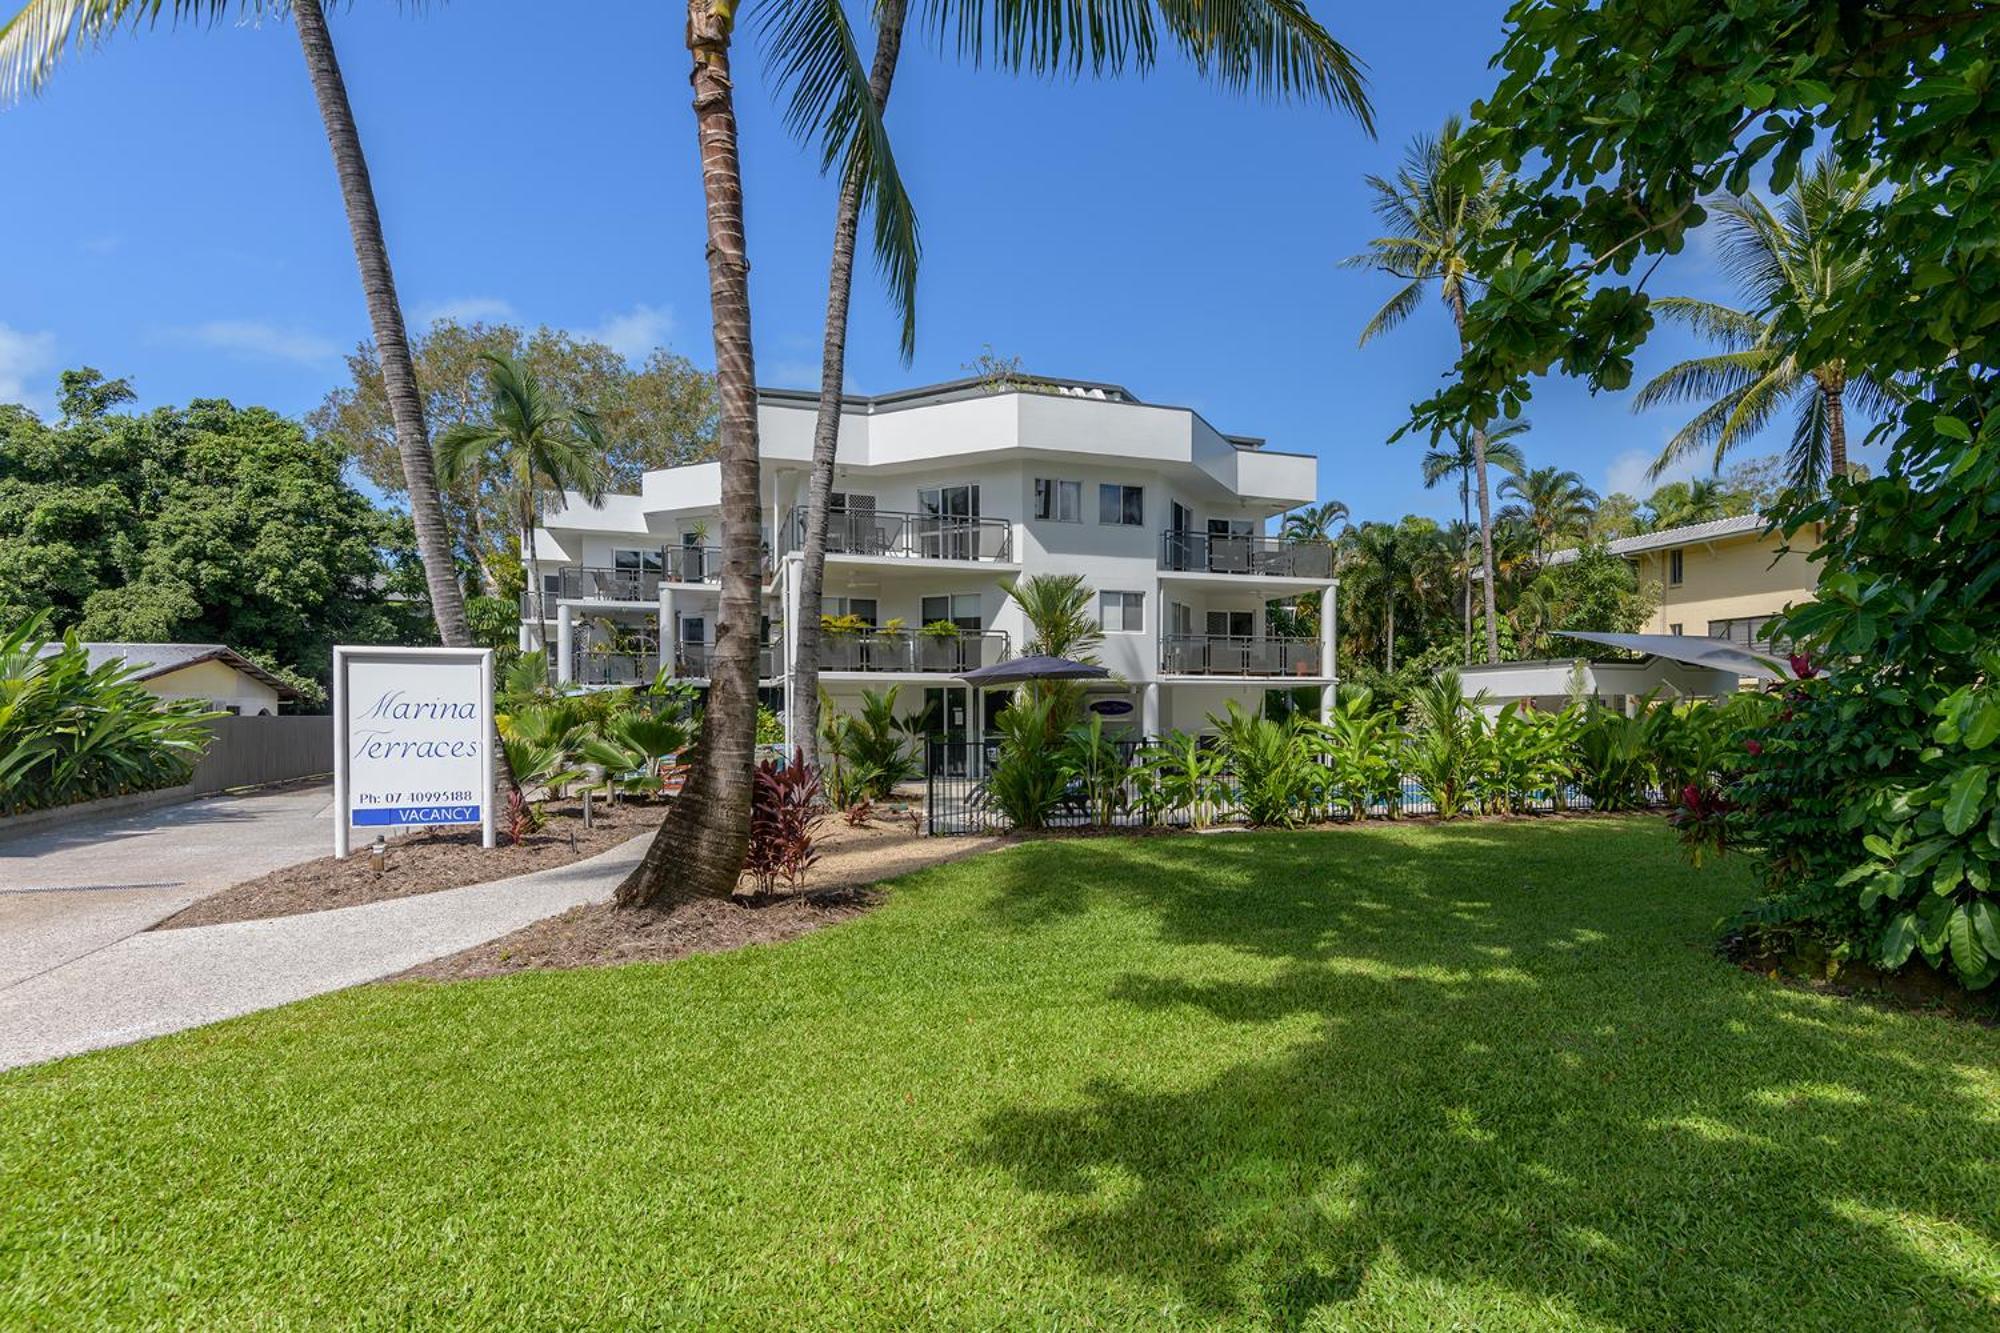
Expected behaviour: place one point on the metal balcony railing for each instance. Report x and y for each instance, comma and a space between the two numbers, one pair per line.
611, 668
1274, 557
912, 536
913, 650
1233, 655
680, 564
694, 660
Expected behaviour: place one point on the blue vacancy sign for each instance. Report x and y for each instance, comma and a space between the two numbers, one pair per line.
413, 739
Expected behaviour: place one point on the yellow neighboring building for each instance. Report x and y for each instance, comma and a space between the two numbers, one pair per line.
1721, 580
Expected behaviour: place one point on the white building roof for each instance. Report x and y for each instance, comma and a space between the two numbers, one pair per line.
1667, 538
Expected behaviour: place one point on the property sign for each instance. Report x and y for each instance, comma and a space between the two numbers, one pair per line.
413, 739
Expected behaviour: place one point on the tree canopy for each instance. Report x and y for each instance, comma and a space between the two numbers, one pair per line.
661, 413
205, 523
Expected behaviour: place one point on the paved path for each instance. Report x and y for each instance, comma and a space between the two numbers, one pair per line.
73, 890
164, 981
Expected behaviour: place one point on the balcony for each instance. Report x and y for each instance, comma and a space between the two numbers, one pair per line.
1272, 557
913, 651
681, 564
614, 668
1230, 655
887, 532
695, 659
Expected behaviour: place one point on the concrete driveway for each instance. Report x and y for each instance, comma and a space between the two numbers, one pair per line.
73, 890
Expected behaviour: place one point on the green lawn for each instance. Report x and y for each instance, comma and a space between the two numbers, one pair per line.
1486, 1076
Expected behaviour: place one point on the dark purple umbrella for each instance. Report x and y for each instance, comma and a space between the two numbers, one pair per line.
1021, 670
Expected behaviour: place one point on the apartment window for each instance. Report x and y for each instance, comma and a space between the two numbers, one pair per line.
1231, 624
1121, 506
1122, 612
1675, 629
960, 608
635, 562
861, 608
1676, 571
1058, 501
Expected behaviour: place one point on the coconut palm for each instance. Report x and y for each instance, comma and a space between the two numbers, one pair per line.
1314, 523
538, 445
1375, 568
1462, 461
1435, 210
1679, 503
1264, 45
1554, 502
1789, 267
1062, 622
33, 40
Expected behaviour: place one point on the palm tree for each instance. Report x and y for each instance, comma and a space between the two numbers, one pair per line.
1554, 502
1679, 503
1375, 567
1061, 623
534, 442
1435, 210
33, 40
1314, 523
1789, 267
1265, 45
1462, 462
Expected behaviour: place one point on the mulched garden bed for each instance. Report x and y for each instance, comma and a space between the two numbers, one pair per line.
422, 863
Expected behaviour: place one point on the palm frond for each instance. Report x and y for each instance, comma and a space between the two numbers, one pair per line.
1707, 377
811, 51
1734, 329
1394, 311
1809, 457
34, 39
460, 448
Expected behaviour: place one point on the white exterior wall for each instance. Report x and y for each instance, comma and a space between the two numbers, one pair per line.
1001, 443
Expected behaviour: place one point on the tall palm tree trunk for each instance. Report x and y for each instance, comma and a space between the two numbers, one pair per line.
1391, 604
1836, 429
532, 566
698, 851
826, 428
385, 316
392, 347
1465, 559
1485, 501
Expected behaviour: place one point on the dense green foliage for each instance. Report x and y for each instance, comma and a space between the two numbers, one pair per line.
70, 732
1468, 1077
601, 739
204, 524
1871, 805
866, 754
661, 413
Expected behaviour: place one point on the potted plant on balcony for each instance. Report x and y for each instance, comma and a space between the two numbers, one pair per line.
943, 648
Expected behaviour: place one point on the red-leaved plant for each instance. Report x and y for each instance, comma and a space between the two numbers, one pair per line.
785, 810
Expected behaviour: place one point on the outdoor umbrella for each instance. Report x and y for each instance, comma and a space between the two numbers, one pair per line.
1021, 670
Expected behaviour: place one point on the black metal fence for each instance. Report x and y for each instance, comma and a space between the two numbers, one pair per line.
891, 532
951, 654
1218, 553
958, 797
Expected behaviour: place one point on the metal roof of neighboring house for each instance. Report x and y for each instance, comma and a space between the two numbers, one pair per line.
1666, 538
158, 659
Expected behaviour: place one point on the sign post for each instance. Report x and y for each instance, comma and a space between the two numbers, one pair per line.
413, 739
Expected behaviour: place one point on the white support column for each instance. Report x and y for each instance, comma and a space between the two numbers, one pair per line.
788, 590
1329, 616
1149, 710
565, 642
669, 634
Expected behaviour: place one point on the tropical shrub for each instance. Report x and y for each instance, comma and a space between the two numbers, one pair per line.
629, 743
1362, 747
70, 732
1615, 756
869, 752
1098, 768
1181, 775
785, 812
1444, 750
1523, 754
1276, 781
1028, 784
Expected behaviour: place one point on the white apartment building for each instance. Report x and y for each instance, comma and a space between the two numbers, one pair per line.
943, 495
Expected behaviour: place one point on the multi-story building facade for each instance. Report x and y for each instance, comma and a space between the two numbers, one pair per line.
1724, 579
942, 496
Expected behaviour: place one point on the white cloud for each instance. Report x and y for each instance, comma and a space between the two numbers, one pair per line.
1627, 472
259, 338
466, 310
633, 333
26, 360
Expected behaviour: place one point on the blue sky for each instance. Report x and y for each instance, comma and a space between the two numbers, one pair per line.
175, 194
